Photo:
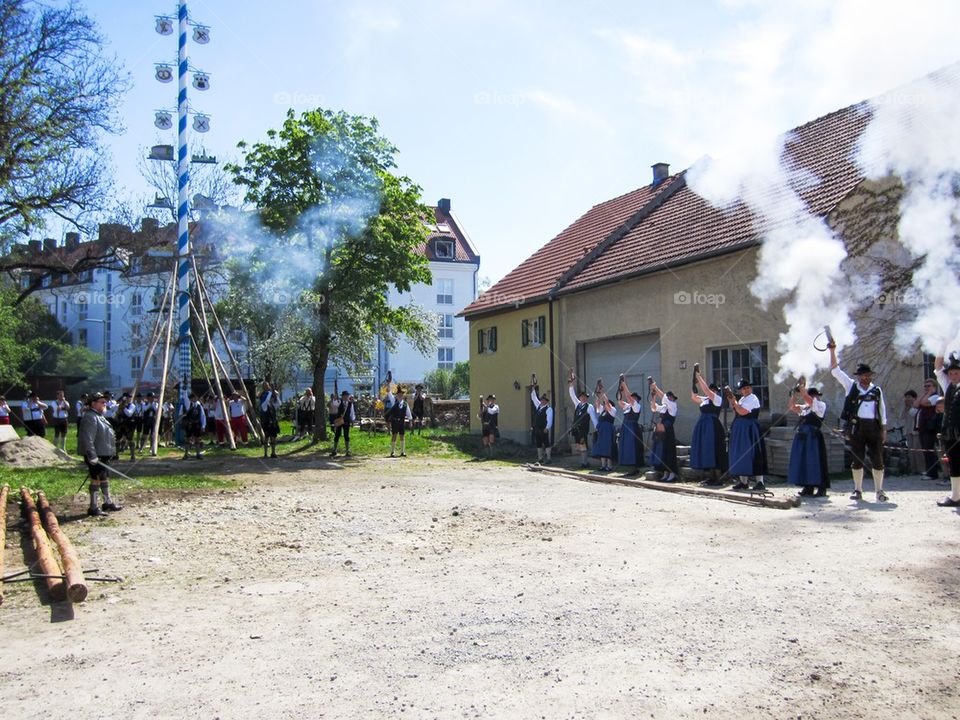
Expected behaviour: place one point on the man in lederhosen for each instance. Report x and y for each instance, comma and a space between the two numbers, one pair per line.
865, 417
949, 378
59, 419
584, 416
33, 417
398, 415
96, 441
341, 421
489, 423
542, 421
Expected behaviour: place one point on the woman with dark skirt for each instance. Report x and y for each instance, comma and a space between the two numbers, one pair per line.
631, 440
748, 454
708, 445
663, 456
808, 454
605, 446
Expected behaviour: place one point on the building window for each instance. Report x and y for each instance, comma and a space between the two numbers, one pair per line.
445, 326
729, 365
135, 331
487, 340
444, 292
533, 332
134, 362
82, 307
445, 358
82, 337
136, 304
443, 249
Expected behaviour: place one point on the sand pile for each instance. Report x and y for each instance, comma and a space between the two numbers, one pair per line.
29, 452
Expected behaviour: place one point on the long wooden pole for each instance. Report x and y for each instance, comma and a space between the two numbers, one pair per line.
76, 585
728, 495
252, 415
3, 530
166, 366
41, 545
213, 357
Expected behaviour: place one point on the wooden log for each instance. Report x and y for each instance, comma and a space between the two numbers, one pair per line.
41, 545
717, 494
76, 585
155, 435
3, 530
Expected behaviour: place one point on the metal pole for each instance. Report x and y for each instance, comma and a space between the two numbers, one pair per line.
183, 209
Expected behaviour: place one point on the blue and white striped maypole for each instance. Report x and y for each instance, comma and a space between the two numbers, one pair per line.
183, 210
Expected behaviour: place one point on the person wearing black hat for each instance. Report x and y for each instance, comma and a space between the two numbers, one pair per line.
663, 456
584, 415
949, 377
398, 415
96, 441
542, 421
342, 420
865, 417
708, 444
148, 417
490, 423
269, 402
925, 423
631, 450
748, 454
808, 454
194, 422
60, 412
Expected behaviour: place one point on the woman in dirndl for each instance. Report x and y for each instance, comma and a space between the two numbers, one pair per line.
605, 446
808, 454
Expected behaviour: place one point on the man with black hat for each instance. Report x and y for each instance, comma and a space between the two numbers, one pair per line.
148, 417
194, 422
949, 378
418, 409
341, 421
584, 415
489, 423
96, 440
542, 420
865, 415
33, 417
398, 415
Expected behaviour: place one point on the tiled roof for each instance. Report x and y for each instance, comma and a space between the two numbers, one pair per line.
536, 276
685, 227
445, 226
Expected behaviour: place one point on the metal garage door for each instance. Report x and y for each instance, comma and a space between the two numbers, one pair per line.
636, 356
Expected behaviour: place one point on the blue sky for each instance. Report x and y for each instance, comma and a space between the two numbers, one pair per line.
526, 114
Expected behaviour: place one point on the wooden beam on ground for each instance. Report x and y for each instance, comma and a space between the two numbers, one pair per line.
754, 499
3, 530
41, 545
76, 585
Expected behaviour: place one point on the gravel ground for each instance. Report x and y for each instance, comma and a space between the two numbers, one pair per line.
437, 589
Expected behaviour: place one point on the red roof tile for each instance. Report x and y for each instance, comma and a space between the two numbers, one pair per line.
446, 226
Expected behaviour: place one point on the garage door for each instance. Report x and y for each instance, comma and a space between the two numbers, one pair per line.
636, 356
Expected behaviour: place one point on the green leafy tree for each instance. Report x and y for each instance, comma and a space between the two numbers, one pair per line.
338, 230
14, 355
60, 92
449, 384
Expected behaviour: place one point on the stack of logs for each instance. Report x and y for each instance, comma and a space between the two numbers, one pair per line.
41, 522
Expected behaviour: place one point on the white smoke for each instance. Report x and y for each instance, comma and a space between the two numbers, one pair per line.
913, 135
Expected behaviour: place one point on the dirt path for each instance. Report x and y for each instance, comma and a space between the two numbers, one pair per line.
437, 589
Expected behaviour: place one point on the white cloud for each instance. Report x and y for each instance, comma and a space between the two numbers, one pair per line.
563, 110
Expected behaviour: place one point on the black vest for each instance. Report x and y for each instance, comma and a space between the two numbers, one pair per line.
811, 418
951, 413
540, 418
854, 399
489, 418
581, 418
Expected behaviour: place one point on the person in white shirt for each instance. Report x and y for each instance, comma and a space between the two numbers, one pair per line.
220, 421
343, 419
60, 417
33, 417
584, 415
194, 422
808, 454
663, 456
398, 415
949, 377
605, 443
631, 452
490, 423
269, 418
708, 443
748, 454
925, 425
238, 417
865, 417
4, 411
542, 421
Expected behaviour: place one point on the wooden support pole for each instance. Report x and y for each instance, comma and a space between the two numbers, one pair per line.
155, 435
41, 546
252, 413
756, 500
3, 530
76, 585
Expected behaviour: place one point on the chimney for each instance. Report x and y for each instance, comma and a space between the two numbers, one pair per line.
72, 239
444, 204
35, 246
49, 244
661, 171
149, 224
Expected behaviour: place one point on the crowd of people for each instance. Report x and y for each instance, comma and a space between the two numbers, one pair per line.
929, 424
